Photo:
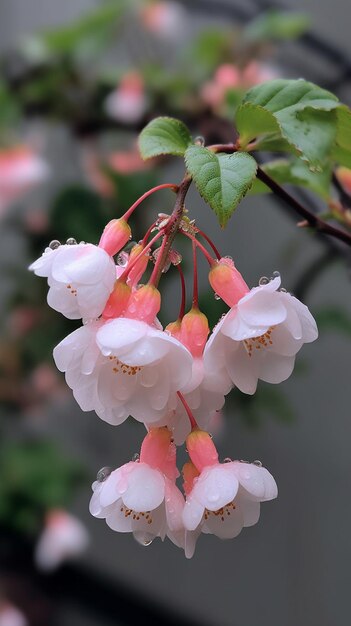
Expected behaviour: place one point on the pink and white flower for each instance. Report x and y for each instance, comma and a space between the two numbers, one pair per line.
128, 102
260, 337
80, 278
123, 367
64, 537
222, 498
10, 615
20, 170
167, 19
141, 496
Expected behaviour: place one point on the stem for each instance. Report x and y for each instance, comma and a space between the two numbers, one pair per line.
206, 254
210, 242
195, 280
192, 419
128, 213
182, 281
130, 266
312, 219
170, 231
148, 233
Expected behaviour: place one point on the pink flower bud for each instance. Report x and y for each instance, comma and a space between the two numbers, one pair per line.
118, 300
144, 304
194, 331
159, 452
116, 234
227, 282
140, 266
175, 329
201, 449
189, 472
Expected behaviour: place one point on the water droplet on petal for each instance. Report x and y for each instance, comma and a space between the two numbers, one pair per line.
122, 259
145, 539
242, 461
276, 274
230, 258
136, 457
216, 296
227, 460
257, 462
54, 244
71, 241
103, 473
282, 290
264, 280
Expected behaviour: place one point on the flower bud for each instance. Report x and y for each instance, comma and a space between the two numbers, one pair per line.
118, 300
194, 331
227, 282
140, 266
144, 304
189, 472
116, 234
201, 449
174, 329
159, 452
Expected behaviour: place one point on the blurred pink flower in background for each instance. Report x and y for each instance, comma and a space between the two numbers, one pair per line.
229, 76
11, 615
122, 162
164, 19
127, 103
64, 537
21, 168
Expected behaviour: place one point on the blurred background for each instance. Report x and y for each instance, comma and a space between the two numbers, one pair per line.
78, 82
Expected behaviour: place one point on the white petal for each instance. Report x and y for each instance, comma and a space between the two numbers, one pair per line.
215, 487
263, 309
242, 369
146, 488
256, 481
274, 368
117, 336
192, 513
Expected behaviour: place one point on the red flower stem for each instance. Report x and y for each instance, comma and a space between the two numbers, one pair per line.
182, 281
206, 254
159, 264
130, 265
195, 278
192, 419
210, 242
148, 233
148, 193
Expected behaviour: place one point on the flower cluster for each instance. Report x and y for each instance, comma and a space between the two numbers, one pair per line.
121, 362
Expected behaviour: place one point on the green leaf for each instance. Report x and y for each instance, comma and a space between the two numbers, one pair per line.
342, 150
222, 179
295, 172
164, 135
277, 25
292, 115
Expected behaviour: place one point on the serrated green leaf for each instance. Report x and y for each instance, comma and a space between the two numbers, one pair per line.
222, 179
164, 135
342, 150
277, 25
292, 115
295, 172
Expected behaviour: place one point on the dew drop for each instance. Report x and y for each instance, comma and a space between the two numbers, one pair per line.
71, 241
227, 460
54, 244
199, 141
103, 473
242, 461
122, 259
276, 274
136, 457
230, 258
145, 539
282, 290
264, 280
257, 462
217, 297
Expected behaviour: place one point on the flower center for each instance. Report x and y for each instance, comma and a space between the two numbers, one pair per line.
118, 366
257, 343
222, 512
146, 515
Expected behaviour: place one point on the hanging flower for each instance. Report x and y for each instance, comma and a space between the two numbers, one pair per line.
141, 496
64, 537
80, 277
20, 170
128, 102
260, 336
222, 498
